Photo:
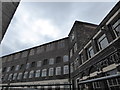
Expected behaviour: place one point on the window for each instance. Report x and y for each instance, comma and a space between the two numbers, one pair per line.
25, 75
61, 44
113, 83
17, 68
71, 53
45, 61
19, 76
40, 49
66, 69
12, 68
90, 52
22, 65
28, 65
32, 52
8, 69
58, 59
5, 77
4, 69
81, 59
39, 64
33, 64
37, 73
75, 47
31, 74
14, 76
76, 63
58, 70
51, 71
44, 72
51, 61
96, 85
102, 42
10, 58
116, 27
71, 67
24, 53
72, 37
65, 58
17, 56
10, 77
50, 47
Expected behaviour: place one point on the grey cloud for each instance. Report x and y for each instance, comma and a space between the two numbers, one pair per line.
61, 15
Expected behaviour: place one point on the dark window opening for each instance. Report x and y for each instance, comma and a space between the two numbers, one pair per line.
45, 62
12, 68
58, 59
22, 66
4, 69
33, 64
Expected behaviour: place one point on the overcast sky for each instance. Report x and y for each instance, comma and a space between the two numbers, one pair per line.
36, 23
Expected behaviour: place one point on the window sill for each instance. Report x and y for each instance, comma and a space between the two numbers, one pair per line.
99, 51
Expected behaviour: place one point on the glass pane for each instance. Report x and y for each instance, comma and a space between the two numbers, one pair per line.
103, 42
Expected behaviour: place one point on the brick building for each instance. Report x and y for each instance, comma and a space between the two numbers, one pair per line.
90, 51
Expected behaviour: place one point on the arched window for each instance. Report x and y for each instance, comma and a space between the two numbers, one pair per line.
31, 74
44, 72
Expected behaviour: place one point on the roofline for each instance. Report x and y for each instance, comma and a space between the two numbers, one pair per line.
81, 23
36, 46
109, 15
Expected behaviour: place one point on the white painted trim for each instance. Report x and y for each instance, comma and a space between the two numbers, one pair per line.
41, 82
80, 51
93, 74
99, 51
85, 77
97, 34
110, 67
113, 17
87, 44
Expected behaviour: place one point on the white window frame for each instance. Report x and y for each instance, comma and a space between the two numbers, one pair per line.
51, 71
100, 39
44, 73
39, 63
89, 52
8, 69
66, 69
31, 74
27, 65
19, 76
14, 76
10, 76
17, 68
51, 61
58, 70
37, 74
25, 75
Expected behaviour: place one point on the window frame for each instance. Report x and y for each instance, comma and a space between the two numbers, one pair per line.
37, 73
89, 49
58, 71
25, 75
51, 71
19, 76
44, 73
51, 61
101, 37
66, 69
31, 74
65, 58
